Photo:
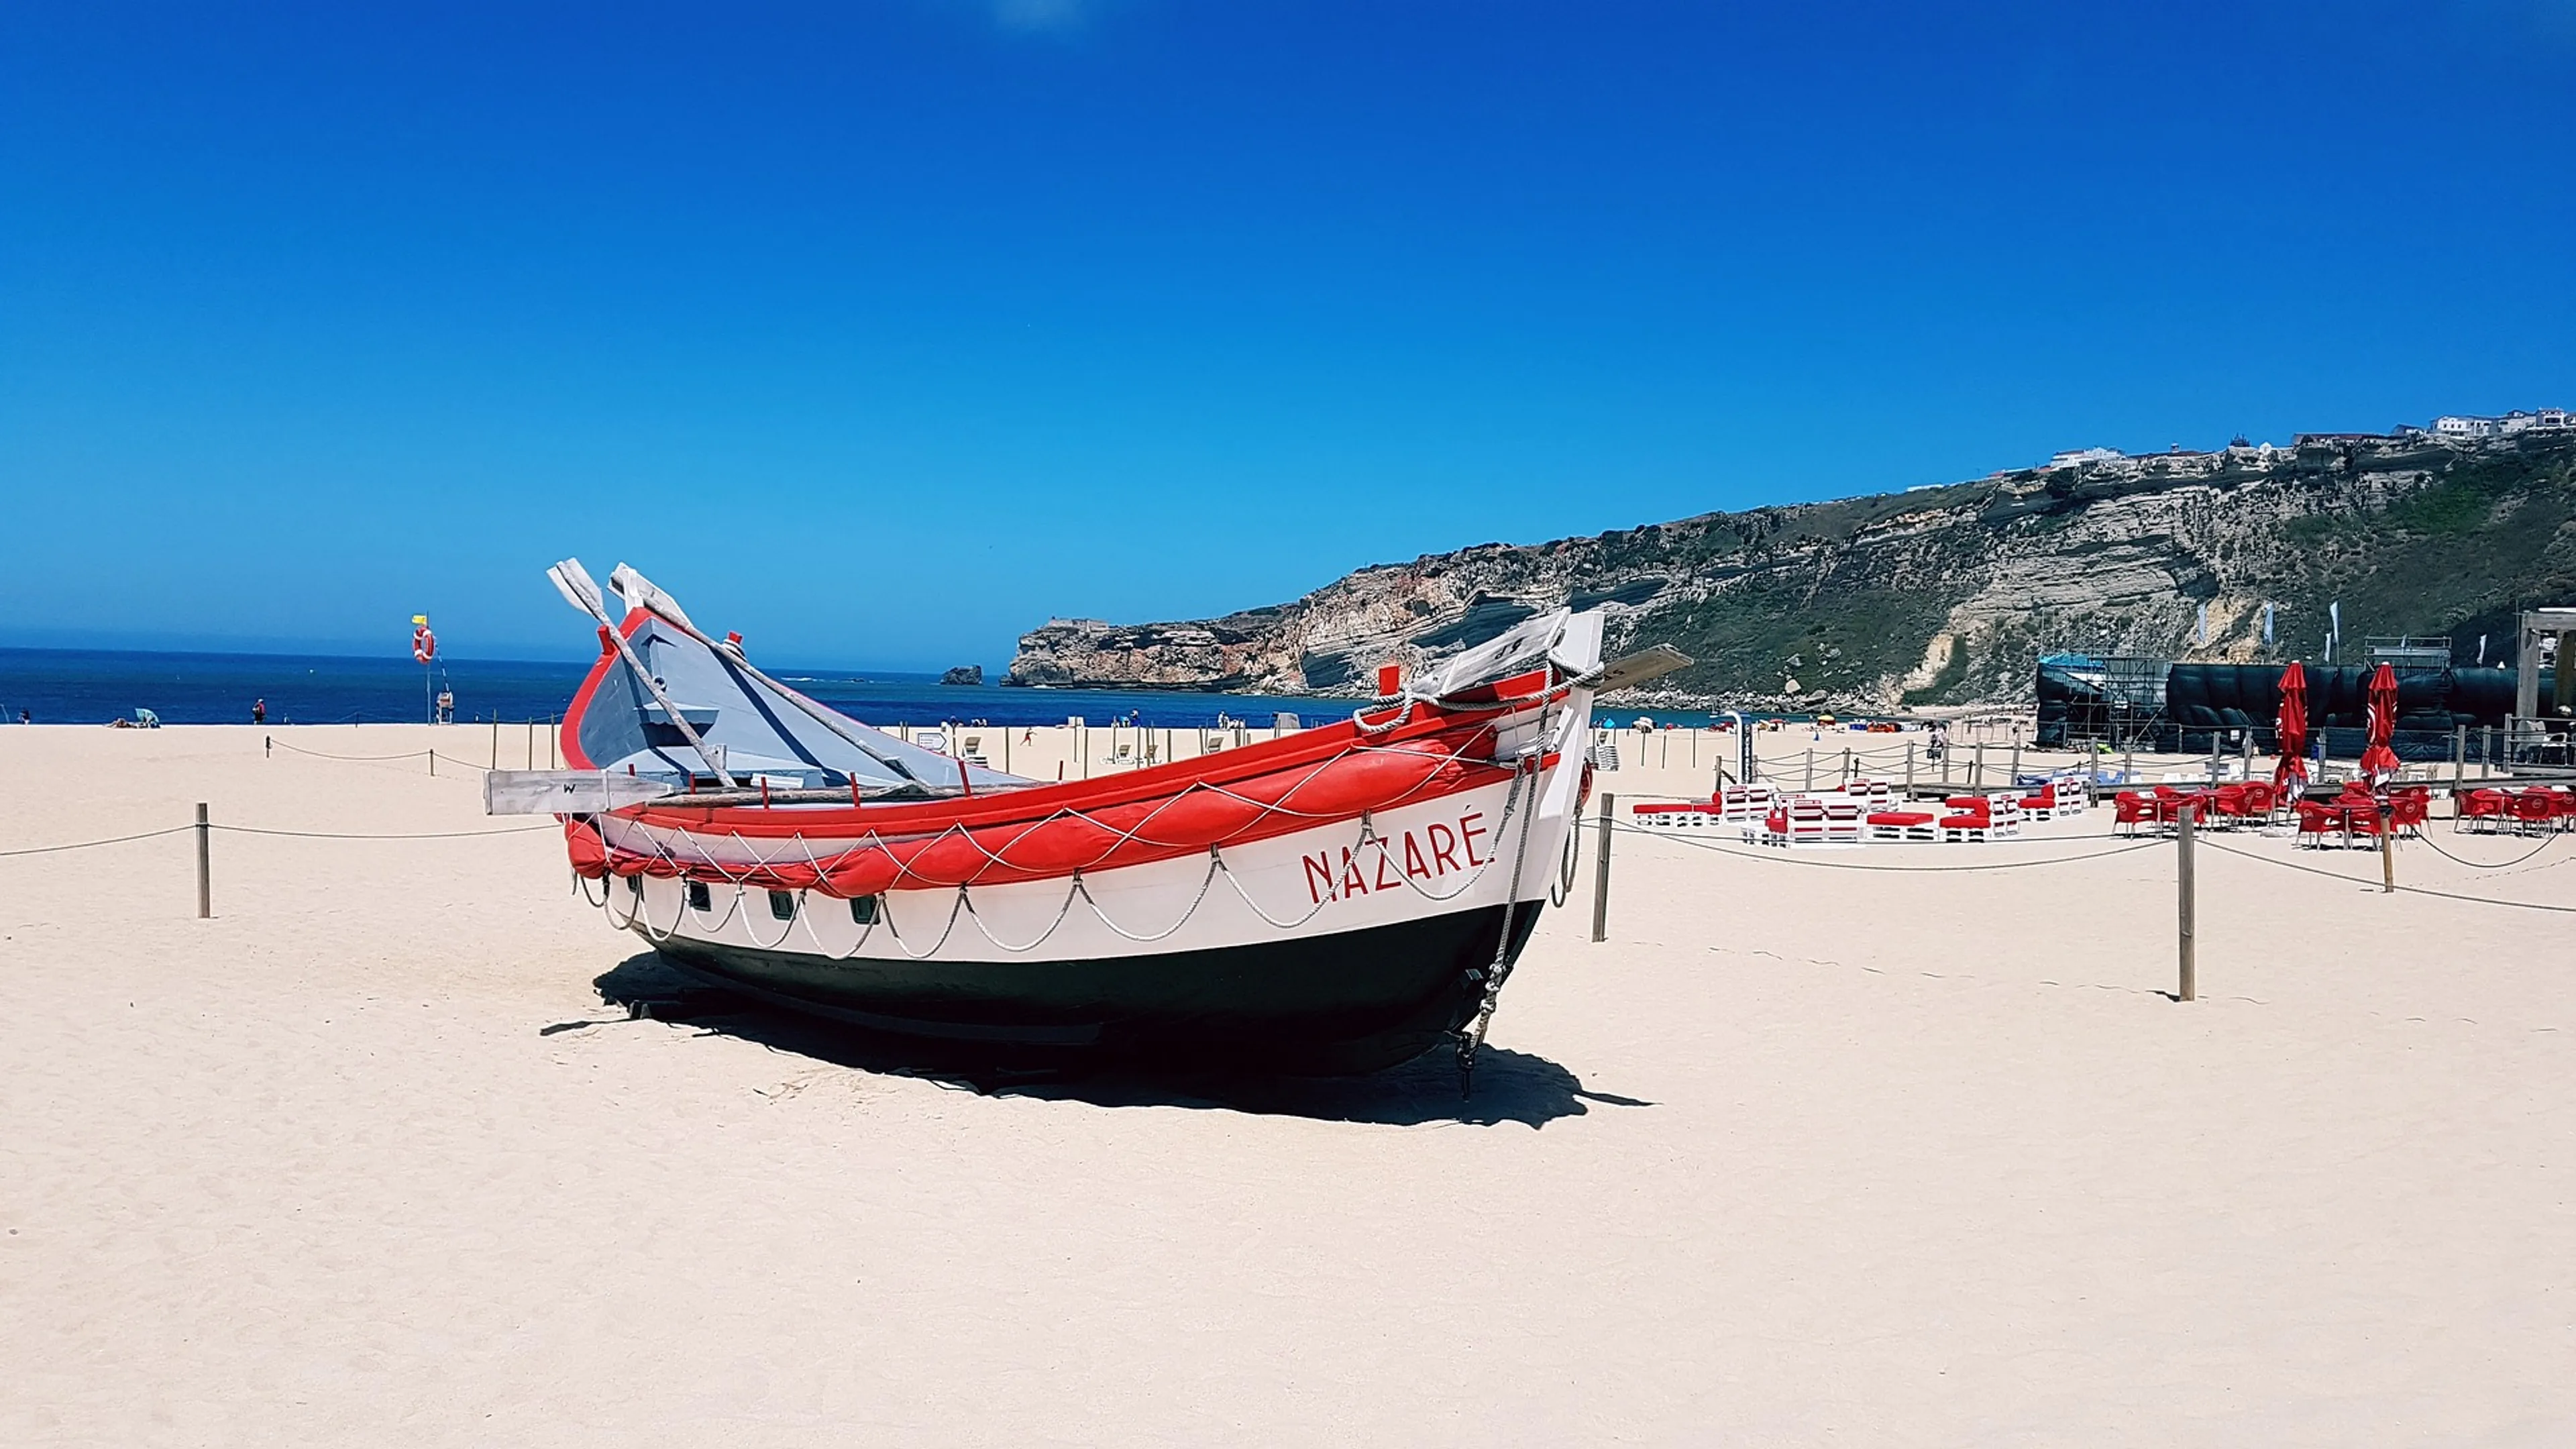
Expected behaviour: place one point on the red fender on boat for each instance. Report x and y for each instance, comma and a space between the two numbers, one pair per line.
864, 871
1200, 817
1059, 845
589, 853
950, 858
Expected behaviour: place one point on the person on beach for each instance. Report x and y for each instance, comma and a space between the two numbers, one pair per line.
446, 706
25, 718
259, 711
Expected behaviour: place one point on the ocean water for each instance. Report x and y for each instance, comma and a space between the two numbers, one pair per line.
93, 686
88, 686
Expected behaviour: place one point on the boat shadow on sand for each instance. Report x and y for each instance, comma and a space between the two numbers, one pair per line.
1510, 1086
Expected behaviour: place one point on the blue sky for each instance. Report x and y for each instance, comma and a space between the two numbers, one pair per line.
883, 331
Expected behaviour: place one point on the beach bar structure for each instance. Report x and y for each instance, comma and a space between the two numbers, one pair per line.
2443, 712
2544, 634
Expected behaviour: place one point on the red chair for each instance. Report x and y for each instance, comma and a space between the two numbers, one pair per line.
2488, 808
2230, 805
2129, 810
2169, 806
2319, 820
2565, 800
2536, 811
1968, 825
2409, 809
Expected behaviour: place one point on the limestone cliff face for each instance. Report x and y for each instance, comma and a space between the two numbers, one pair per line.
1944, 595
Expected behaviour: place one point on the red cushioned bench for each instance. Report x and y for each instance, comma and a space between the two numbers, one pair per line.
1902, 825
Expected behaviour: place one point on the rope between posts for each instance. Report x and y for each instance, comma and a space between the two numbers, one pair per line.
2546, 841
2337, 875
342, 835
89, 844
408, 755
1789, 859
258, 830
353, 759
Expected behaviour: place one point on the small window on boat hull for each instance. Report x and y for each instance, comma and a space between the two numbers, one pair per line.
863, 909
782, 905
698, 898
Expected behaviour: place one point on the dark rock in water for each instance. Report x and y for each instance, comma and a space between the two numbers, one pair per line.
964, 674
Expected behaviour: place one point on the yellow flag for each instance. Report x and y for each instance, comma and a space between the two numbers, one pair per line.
421, 619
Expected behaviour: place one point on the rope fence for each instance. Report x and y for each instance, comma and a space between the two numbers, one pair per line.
94, 844
2143, 843
2336, 875
433, 757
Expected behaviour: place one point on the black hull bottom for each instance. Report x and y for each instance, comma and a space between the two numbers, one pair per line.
1351, 1002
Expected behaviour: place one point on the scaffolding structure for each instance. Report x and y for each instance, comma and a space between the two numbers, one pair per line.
2133, 699
2408, 651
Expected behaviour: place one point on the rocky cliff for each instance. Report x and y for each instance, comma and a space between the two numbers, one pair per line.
1943, 595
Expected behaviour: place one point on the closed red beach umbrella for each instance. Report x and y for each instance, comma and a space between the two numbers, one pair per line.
2379, 762
2291, 727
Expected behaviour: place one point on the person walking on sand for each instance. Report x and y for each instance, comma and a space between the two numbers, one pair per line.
259, 711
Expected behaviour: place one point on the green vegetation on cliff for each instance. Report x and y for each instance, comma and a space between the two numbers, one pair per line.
1948, 595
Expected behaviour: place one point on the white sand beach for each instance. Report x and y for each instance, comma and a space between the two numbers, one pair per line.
1802, 1155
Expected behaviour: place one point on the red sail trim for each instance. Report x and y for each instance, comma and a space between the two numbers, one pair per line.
569, 735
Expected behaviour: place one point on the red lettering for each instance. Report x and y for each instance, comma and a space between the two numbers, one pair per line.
1319, 876
1443, 842
1352, 885
1383, 866
1467, 835
1413, 857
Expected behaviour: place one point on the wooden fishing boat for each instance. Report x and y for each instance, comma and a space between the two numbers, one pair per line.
1337, 899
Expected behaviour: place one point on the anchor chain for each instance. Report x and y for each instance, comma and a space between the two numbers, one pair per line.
1472, 1037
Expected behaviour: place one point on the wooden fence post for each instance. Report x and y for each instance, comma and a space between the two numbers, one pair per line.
2387, 850
2184, 945
1601, 875
205, 865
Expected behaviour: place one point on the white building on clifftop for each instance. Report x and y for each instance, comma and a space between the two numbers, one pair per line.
2520, 420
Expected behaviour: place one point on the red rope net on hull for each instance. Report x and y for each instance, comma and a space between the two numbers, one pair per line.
1359, 779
